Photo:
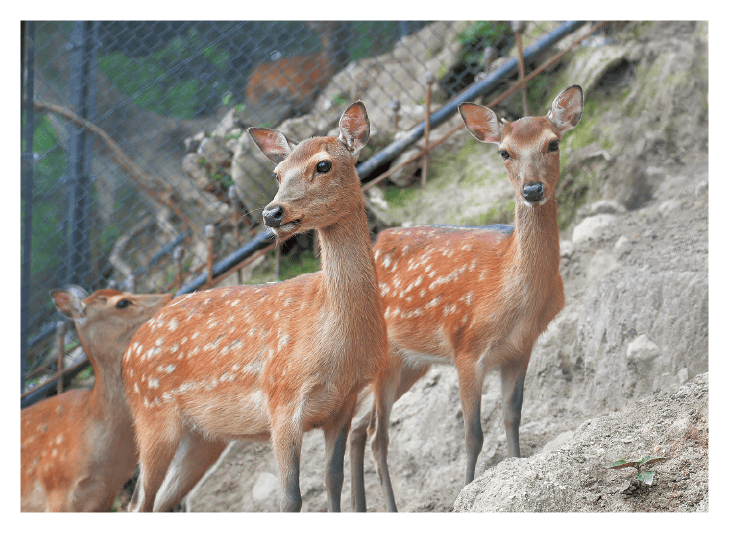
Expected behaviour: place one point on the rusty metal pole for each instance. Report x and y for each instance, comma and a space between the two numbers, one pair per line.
233, 198
60, 339
518, 26
178, 255
234, 216
210, 234
278, 263
429, 79
395, 106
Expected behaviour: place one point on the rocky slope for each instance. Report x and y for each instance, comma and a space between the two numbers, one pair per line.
634, 206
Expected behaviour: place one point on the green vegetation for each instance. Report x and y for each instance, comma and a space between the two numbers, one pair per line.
646, 476
398, 196
362, 43
153, 84
480, 35
289, 267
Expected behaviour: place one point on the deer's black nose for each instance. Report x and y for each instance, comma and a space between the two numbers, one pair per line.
533, 192
273, 216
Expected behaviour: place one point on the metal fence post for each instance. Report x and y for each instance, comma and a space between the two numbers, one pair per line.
83, 74
26, 161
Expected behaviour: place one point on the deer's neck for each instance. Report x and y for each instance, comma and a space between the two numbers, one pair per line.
535, 241
107, 400
349, 291
348, 266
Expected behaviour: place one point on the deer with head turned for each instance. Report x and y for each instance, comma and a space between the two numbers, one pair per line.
475, 297
267, 362
77, 448
298, 79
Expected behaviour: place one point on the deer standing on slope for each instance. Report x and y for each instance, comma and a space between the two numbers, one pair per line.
299, 79
77, 448
477, 297
267, 362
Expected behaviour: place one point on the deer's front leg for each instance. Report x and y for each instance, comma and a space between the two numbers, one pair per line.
335, 441
287, 438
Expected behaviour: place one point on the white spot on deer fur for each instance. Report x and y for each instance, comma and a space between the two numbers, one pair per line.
139, 349
384, 289
464, 320
254, 367
433, 302
180, 300
195, 335
414, 313
377, 254
59, 440
166, 397
235, 366
136, 388
207, 301
172, 326
387, 260
153, 383
168, 369
174, 348
422, 293
283, 340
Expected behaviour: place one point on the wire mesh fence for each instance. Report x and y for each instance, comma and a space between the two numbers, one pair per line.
134, 135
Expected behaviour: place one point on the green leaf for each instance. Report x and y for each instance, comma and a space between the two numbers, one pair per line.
622, 463
650, 459
646, 477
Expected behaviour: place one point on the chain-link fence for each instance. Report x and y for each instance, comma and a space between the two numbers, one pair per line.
134, 136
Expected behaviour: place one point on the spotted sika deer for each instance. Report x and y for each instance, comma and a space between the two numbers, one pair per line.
267, 362
477, 297
298, 79
77, 448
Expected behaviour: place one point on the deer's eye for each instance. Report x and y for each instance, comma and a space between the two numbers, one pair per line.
323, 167
553, 145
275, 176
121, 304
505, 154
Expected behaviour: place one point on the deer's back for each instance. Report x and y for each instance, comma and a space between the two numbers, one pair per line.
251, 347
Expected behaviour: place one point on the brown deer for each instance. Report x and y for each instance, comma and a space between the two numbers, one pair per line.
267, 362
476, 297
299, 79
77, 448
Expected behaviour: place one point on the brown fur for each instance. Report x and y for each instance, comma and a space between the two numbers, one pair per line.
477, 298
273, 361
297, 79
77, 448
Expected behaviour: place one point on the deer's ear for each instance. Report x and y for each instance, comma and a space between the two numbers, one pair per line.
274, 144
354, 127
567, 108
481, 122
69, 302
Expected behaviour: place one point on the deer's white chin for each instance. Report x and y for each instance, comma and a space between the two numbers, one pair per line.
533, 204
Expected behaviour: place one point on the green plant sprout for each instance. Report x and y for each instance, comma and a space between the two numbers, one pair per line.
646, 476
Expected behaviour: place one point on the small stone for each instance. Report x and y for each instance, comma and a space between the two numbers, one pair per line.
642, 349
